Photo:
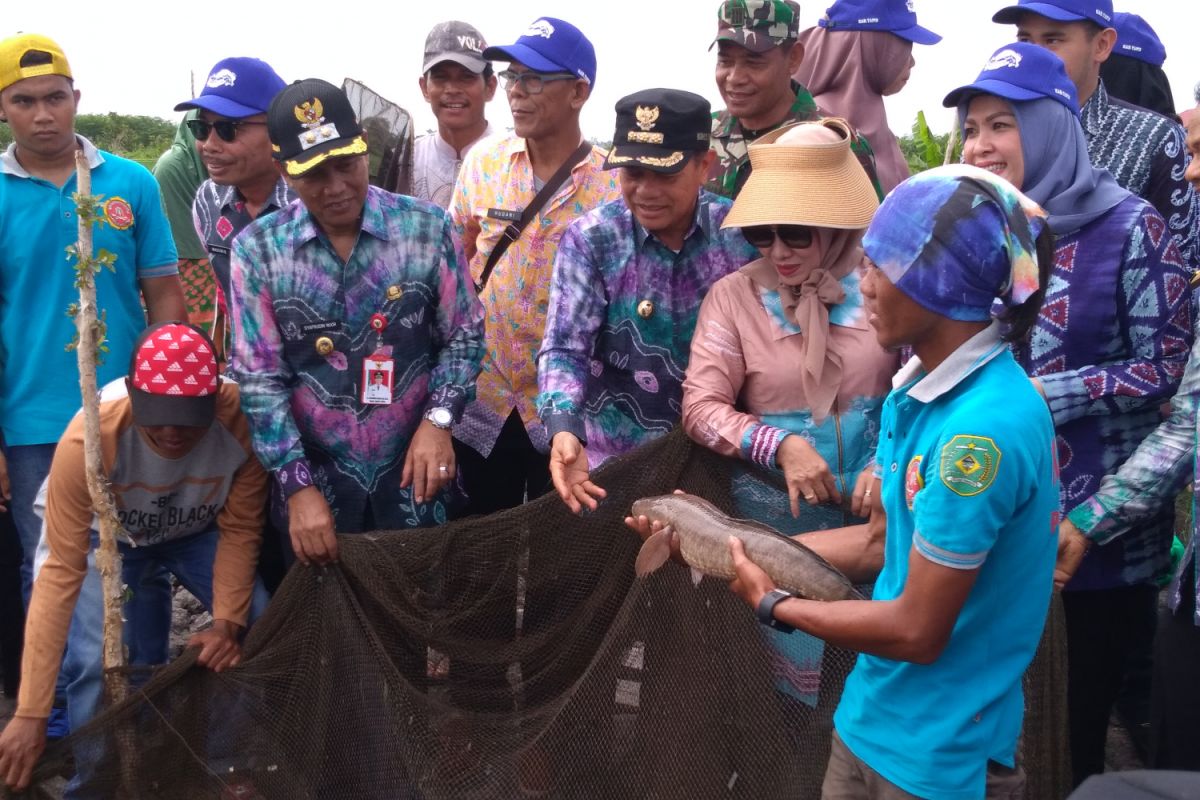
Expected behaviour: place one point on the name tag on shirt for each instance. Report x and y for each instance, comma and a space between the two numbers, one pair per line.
378, 375
217, 249
503, 214
319, 327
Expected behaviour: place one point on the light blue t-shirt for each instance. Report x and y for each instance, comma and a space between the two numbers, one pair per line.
39, 381
969, 480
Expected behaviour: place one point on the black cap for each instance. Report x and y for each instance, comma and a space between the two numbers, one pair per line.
659, 129
312, 120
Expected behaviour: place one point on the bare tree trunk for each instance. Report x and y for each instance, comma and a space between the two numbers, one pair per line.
108, 558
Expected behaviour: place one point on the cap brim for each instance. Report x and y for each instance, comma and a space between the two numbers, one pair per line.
761, 44
338, 148
987, 86
220, 105
1010, 14
918, 34
655, 159
151, 410
474, 63
525, 55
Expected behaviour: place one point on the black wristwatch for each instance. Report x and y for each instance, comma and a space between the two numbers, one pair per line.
766, 610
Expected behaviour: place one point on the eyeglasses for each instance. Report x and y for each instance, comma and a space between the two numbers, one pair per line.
226, 128
796, 237
533, 82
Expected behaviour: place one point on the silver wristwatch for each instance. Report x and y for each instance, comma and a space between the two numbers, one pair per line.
440, 417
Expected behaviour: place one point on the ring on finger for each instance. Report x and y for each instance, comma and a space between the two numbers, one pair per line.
810, 497
443, 468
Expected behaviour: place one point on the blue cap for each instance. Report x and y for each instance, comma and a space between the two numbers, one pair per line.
893, 16
1136, 39
1021, 71
1097, 11
550, 45
236, 88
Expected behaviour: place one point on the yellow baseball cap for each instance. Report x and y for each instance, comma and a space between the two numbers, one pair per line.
14, 48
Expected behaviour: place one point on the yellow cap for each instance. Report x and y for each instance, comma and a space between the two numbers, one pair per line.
14, 48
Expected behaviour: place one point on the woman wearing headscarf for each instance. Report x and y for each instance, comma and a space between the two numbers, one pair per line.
1109, 348
859, 53
784, 372
933, 707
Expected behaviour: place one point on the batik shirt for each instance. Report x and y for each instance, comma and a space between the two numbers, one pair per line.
622, 310
730, 141
1146, 153
1146, 484
291, 291
494, 186
1109, 348
219, 214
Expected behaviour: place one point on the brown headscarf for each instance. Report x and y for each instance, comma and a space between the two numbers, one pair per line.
847, 72
807, 300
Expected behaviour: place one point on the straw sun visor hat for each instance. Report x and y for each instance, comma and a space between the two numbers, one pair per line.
805, 174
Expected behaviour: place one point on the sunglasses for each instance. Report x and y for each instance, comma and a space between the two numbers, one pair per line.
796, 237
226, 128
532, 82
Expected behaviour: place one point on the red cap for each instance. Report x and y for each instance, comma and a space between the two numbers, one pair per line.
173, 377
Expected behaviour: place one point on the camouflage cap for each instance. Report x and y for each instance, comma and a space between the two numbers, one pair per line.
758, 25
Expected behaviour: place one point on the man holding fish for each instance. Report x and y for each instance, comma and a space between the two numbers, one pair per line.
933, 707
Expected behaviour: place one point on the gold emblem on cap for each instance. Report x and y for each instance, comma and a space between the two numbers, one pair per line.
310, 113
646, 309
310, 137
646, 116
394, 292
644, 138
324, 345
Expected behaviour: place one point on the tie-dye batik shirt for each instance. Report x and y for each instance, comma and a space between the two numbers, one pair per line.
302, 327
622, 310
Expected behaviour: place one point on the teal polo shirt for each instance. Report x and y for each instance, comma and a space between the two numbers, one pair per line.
970, 482
39, 379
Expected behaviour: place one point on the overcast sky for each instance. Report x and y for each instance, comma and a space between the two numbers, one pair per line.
137, 56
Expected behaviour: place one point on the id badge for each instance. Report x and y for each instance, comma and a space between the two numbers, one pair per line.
379, 372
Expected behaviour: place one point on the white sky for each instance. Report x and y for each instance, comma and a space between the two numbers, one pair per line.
136, 57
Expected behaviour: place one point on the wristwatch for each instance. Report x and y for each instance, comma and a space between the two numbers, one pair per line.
440, 417
766, 610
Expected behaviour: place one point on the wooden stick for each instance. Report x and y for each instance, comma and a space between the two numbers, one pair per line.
951, 140
108, 558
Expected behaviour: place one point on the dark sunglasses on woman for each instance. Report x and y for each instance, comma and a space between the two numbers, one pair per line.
796, 237
226, 128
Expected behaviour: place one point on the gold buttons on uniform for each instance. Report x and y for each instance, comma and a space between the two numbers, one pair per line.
394, 292
646, 309
324, 345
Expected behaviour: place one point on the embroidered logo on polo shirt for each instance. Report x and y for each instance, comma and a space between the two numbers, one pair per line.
969, 464
913, 482
118, 213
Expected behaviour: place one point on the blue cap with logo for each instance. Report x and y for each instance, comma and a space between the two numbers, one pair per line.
1020, 71
1097, 11
236, 88
1136, 39
550, 45
893, 16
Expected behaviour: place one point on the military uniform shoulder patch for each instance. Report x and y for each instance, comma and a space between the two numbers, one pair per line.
969, 464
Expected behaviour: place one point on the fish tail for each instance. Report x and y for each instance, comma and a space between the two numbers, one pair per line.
654, 553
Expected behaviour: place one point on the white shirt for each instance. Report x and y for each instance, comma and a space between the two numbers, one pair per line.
435, 166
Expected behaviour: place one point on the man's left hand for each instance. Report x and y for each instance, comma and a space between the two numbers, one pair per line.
751, 582
429, 464
219, 647
1072, 547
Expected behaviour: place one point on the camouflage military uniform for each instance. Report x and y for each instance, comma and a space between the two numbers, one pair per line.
732, 165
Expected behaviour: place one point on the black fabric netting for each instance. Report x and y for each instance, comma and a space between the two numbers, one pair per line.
607, 687
389, 132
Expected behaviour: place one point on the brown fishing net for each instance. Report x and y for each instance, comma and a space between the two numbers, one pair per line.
606, 687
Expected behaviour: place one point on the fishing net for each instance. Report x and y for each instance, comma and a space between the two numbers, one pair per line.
567, 677
389, 137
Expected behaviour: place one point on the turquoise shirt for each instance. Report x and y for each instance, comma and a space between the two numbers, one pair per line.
39, 378
970, 482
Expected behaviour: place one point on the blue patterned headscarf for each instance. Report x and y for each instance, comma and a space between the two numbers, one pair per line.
957, 238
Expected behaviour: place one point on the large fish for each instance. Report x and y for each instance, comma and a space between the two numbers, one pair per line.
704, 533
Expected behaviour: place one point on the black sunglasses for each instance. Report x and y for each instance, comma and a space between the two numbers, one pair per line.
226, 128
796, 237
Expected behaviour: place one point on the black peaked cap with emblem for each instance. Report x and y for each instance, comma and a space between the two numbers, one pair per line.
312, 120
659, 130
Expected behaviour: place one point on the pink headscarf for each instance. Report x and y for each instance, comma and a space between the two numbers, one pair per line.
847, 72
